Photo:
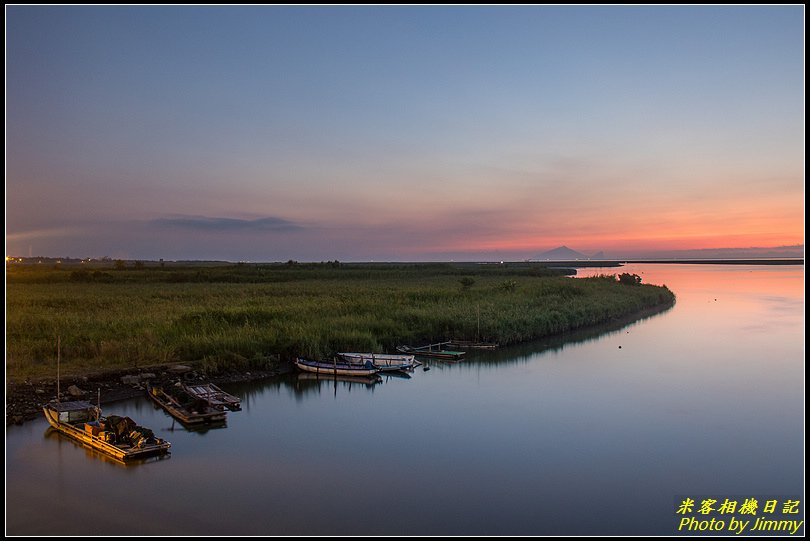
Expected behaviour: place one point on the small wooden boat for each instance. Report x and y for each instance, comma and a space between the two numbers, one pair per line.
184, 407
118, 437
428, 351
382, 361
215, 396
336, 368
469, 344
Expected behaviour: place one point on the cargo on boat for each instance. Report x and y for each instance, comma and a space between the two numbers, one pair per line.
118, 437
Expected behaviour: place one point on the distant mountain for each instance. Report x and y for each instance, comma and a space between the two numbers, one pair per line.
563, 253
598, 255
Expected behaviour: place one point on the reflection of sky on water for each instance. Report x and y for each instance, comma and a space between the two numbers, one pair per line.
594, 435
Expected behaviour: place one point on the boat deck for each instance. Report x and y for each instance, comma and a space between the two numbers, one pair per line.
214, 396
185, 414
74, 419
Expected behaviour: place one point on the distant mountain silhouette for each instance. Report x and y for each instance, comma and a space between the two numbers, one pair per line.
563, 253
598, 255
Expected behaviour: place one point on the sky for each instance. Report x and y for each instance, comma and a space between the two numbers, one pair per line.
402, 133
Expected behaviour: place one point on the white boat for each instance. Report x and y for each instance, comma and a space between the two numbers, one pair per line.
383, 362
336, 368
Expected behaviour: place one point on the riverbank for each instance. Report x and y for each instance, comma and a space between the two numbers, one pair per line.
243, 319
24, 399
235, 318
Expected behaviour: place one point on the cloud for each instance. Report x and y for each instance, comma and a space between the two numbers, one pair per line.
208, 224
45, 233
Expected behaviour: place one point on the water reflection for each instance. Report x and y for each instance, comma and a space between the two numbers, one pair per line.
526, 351
53, 435
194, 428
314, 384
395, 374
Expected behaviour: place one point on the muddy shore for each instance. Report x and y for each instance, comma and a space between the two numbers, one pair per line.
24, 399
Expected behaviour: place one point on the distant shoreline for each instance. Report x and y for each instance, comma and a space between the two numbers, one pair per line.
611, 263
550, 263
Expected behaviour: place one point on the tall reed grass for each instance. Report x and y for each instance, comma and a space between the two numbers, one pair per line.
238, 317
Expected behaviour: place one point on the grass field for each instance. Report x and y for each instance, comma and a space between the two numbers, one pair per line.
239, 316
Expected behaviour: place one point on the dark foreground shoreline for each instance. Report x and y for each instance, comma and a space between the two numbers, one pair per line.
24, 400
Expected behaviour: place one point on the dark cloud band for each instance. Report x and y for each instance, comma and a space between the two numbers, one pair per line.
205, 223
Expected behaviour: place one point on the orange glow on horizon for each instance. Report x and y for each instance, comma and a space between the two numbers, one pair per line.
736, 222
649, 242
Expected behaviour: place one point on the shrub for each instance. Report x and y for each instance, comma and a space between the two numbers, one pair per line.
508, 285
466, 282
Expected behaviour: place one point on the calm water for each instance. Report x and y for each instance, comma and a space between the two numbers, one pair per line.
596, 435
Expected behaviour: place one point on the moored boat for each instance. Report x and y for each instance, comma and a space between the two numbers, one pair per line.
428, 351
469, 344
335, 367
215, 396
118, 437
383, 362
185, 408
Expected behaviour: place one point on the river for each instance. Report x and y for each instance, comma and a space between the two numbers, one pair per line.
602, 433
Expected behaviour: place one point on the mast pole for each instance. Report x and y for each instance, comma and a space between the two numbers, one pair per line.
58, 363
478, 313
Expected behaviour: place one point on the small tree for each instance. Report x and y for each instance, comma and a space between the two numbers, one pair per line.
120, 264
508, 285
466, 282
629, 279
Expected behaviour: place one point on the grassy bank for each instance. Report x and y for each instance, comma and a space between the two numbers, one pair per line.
238, 316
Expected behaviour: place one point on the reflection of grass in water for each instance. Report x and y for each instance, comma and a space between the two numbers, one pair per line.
245, 317
526, 350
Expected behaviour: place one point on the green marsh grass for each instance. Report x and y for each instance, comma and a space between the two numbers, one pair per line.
238, 317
